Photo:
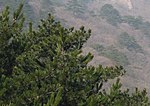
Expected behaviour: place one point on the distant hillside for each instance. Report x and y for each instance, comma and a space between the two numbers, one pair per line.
120, 31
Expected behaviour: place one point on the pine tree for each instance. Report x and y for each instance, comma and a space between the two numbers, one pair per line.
46, 67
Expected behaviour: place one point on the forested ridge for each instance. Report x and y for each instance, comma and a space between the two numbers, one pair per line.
46, 67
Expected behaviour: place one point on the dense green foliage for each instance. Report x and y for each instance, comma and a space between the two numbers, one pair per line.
46, 67
27, 7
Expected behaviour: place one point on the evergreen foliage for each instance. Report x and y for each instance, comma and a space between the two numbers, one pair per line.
45, 67
28, 9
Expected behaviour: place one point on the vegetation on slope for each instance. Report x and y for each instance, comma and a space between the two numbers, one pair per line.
77, 8
111, 14
114, 18
129, 42
113, 54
